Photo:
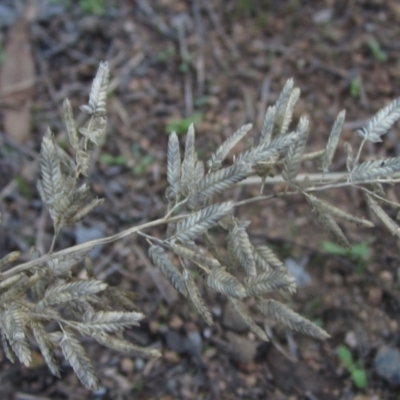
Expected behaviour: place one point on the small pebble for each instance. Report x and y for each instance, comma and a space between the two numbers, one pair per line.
139, 364
127, 365
322, 16
85, 234
387, 279
374, 295
175, 323
387, 364
351, 339
242, 350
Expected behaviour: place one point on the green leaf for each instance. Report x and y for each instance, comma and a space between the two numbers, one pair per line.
359, 378
109, 159
142, 165
180, 126
362, 250
345, 356
334, 248
97, 7
376, 51
355, 87
166, 54
23, 186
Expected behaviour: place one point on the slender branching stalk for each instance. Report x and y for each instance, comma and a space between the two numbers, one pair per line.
45, 289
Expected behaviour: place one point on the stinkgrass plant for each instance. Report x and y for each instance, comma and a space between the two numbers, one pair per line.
45, 289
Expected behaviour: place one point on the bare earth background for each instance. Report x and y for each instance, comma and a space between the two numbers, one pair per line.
219, 63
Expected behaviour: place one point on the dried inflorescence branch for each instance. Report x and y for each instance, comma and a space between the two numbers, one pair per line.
44, 289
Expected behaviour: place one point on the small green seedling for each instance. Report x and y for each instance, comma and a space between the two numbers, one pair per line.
355, 87
143, 163
360, 253
2, 54
357, 372
376, 51
109, 159
166, 54
97, 7
180, 126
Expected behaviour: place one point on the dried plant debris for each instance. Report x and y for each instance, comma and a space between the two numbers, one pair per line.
46, 288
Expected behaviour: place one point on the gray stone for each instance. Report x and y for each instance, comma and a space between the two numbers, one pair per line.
387, 364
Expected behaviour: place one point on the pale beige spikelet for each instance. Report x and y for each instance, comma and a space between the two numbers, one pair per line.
120, 299
70, 124
13, 325
64, 292
281, 107
287, 317
329, 225
393, 228
379, 124
268, 124
98, 93
94, 130
76, 355
161, 259
232, 259
270, 281
325, 207
370, 170
215, 162
62, 265
264, 252
188, 163
124, 346
333, 141
197, 223
293, 99
312, 155
46, 347
110, 321
173, 165
225, 283
194, 255
84, 211
11, 281
196, 298
52, 183
83, 161
241, 310
9, 258
265, 151
18, 291
221, 180
349, 156
291, 164
243, 250
212, 246
8, 351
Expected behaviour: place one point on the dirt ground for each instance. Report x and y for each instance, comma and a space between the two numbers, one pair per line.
221, 63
